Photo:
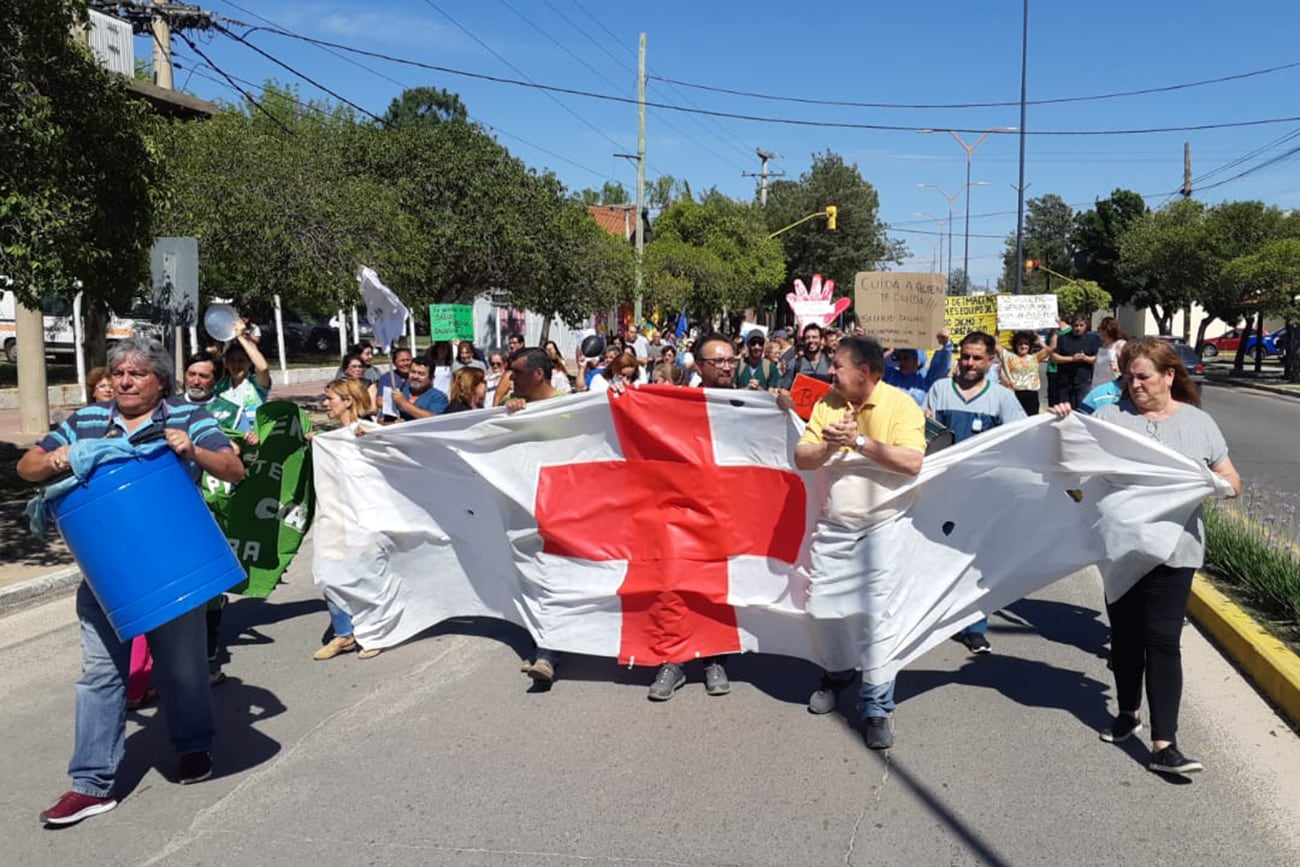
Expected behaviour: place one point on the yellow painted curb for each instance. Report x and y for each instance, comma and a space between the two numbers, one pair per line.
1273, 667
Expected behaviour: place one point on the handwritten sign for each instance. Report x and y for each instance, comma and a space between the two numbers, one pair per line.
451, 322
1026, 312
900, 309
967, 313
806, 391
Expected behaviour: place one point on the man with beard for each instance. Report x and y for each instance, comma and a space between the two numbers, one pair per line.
864, 416
424, 399
811, 360
968, 404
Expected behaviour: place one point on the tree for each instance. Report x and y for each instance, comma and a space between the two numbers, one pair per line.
1167, 253
1233, 230
77, 174
711, 255
1049, 222
859, 242
610, 193
958, 282
1271, 275
425, 106
281, 201
1096, 238
1081, 296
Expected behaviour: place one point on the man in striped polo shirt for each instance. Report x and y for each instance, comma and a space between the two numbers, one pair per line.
969, 404
143, 377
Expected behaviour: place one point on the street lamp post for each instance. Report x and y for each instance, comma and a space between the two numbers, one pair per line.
950, 197
941, 221
970, 156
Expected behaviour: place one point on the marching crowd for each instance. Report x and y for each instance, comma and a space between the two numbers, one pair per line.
887, 406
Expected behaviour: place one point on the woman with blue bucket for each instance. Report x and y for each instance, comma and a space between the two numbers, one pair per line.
138, 458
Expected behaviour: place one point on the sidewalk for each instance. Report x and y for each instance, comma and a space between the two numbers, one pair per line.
1266, 383
46, 560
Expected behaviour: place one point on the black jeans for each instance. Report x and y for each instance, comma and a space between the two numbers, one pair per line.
1028, 401
1146, 626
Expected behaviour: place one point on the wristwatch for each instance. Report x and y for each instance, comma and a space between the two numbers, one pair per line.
859, 443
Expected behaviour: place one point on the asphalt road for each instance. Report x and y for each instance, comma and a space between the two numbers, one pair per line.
1263, 432
437, 752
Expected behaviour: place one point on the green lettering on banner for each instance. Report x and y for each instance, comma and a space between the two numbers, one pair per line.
451, 322
266, 516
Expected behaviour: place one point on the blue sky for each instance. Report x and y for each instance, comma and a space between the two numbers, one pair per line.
922, 52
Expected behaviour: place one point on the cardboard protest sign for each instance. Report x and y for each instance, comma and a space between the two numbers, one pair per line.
900, 309
806, 391
451, 322
1026, 312
967, 313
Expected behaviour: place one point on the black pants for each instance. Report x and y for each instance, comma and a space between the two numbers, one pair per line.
1054, 381
1074, 391
1028, 400
1146, 625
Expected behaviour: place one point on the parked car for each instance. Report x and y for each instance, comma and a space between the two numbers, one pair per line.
1229, 341
304, 335
1192, 361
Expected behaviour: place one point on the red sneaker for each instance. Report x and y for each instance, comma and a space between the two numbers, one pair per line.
74, 806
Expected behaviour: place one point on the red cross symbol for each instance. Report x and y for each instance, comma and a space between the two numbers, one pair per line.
676, 517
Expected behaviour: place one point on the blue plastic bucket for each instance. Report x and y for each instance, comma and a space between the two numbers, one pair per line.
145, 541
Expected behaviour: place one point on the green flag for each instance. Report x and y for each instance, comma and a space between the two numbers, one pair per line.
266, 515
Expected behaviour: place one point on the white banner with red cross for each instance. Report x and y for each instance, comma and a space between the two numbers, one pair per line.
666, 524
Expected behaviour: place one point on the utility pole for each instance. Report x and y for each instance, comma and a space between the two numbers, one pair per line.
763, 174
1187, 170
162, 48
1020, 187
640, 181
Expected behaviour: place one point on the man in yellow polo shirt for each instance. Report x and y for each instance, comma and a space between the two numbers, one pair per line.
862, 417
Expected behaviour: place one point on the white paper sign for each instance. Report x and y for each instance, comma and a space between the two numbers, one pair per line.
1026, 312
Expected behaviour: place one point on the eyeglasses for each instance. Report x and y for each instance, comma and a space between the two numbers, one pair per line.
719, 362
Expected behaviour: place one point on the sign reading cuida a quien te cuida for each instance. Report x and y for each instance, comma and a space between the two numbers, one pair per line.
900, 308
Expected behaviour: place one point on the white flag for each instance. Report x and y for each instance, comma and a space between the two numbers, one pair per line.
387, 314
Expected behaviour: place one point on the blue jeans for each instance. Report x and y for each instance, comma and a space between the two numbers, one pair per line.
180, 671
872, 700
340, 620
979, 627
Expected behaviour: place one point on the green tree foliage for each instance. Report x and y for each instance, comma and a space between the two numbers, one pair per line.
1167, 253
77, 173
1084, 296
1096, 236
281, 201
425, 106
1049, 224
1271, 276
859, 242
710, 255
610, 193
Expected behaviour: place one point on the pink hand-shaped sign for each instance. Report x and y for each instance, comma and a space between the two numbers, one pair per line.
819, 306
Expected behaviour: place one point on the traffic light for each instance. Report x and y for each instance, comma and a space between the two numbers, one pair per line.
831, 213
1031, 265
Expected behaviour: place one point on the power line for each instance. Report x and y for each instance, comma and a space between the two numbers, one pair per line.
963, 105
248, 96
552, 89
405, 86
1271, 161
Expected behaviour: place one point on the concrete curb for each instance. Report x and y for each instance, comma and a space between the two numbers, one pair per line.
1270, 664
1255, 386
34, 591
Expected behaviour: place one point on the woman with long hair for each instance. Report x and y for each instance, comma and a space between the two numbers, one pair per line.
468, 390
560, 379
347, 402
1113, 338
1160, 401
622, 368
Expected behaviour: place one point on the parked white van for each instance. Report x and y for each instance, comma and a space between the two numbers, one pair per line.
57, 317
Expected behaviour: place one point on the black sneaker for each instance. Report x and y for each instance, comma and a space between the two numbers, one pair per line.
1171, 761
1123, 728
976, 642
878, 732
669, 679
194, 768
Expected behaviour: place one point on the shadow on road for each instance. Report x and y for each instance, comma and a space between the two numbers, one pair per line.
239, 746
1062, 623
19, 545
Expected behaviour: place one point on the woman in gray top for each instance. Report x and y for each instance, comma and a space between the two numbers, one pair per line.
1161, 401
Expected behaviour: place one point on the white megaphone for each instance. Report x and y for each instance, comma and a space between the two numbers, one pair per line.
219, 321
